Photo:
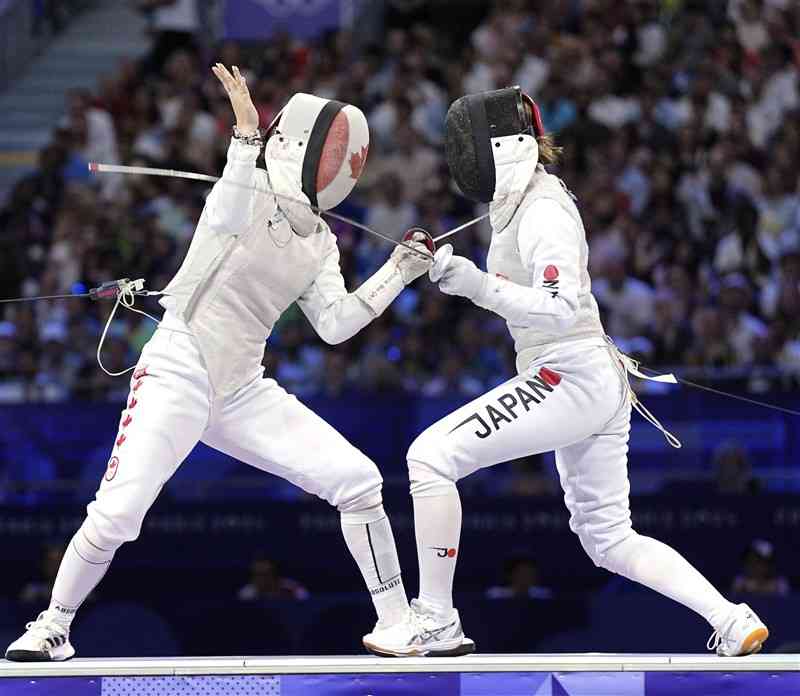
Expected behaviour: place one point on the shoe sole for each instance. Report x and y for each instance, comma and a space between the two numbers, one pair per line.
467, 647
34, 656
753, 643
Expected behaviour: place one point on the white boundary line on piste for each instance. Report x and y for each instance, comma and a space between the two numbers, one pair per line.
563, 662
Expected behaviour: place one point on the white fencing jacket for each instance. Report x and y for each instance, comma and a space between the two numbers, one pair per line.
246, 266
538, 272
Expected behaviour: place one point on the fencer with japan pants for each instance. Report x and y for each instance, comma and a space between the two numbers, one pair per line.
571, 394
200, 377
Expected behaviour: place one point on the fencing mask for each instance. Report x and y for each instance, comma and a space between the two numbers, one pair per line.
491, 149
315, 152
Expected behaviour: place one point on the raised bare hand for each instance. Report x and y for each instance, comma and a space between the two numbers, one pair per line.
236, 87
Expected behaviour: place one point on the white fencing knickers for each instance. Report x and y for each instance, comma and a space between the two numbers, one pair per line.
576, 401
170, 408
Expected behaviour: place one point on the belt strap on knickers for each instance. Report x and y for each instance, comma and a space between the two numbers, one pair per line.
632, 367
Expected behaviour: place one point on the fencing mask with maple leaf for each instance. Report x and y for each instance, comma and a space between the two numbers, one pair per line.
315, 152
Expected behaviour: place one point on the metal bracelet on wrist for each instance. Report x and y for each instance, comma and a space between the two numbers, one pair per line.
254, 139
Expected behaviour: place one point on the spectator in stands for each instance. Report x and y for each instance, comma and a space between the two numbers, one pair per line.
522, 580
266, 583
93, 135
711, 346
174, 24
680, 124
391, 212
414, 162
669, 332
741, 328
759, 573
627, 302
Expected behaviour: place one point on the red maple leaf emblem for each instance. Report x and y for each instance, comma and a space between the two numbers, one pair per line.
357, 161
111, 470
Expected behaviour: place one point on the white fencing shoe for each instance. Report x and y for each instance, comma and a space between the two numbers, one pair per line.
44, 640
420, 634
743, 633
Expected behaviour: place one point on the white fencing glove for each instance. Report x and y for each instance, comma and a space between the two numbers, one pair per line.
403, 266
440, 260
457, 275
411, 265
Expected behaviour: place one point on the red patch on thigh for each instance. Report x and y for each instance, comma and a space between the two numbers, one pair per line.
550, 377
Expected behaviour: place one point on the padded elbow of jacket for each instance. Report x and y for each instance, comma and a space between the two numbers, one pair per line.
332, 335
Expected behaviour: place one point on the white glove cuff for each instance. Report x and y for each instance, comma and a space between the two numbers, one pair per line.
380, 289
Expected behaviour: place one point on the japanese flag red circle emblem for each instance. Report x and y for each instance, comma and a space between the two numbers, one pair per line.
551, 272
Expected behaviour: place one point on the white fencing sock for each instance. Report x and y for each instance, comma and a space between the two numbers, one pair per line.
369, 537
661, 568
82, 567
437, 523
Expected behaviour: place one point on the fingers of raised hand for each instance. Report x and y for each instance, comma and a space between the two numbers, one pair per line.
240, 81
223, 76
231, 83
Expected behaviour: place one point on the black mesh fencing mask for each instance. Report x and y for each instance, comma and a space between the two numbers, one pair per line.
471, 122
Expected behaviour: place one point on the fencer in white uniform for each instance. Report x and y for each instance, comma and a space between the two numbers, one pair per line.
200, 377
571, 394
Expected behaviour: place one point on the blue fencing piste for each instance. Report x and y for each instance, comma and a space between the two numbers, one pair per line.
422, 684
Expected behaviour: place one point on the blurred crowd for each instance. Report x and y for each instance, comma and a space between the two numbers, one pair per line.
681, 133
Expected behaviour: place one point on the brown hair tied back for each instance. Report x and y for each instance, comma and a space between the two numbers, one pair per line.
549, 152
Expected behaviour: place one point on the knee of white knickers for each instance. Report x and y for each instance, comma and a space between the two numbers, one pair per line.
429, 470
363, 490
110, 528
606, 551
367, 515
94, 543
